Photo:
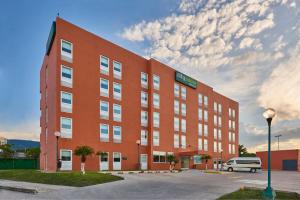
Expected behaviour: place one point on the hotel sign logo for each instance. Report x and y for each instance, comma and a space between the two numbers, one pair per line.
186, 80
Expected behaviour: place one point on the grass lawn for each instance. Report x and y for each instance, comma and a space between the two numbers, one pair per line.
60, 178
251, 193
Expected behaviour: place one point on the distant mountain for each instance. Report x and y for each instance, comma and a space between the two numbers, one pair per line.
22, 144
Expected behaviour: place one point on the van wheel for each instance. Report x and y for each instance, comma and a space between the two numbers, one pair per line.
252, 170
230, 169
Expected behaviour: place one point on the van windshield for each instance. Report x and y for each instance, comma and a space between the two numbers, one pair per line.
230, 162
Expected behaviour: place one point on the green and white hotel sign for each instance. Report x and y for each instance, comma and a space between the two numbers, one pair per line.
186, 80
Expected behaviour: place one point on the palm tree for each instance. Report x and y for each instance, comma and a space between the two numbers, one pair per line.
172, 160
205, 157
242, 150
83, 152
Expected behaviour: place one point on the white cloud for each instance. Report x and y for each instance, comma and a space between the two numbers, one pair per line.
286, 145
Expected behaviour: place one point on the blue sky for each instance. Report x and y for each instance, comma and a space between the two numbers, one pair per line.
247, 51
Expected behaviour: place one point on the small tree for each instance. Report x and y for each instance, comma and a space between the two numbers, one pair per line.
83, 152
33, 153
6, 151
172, 160
205, 157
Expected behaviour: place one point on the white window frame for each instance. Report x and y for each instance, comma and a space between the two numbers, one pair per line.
104, 114
219, 134
219, 121
156, 82
200, 144
104, 69
176, 123
144, 84
200, 99
116, 138
156, 100
155, 138
183, 125
144, 137
200, 114
233, 137
183, 141
219, 146
215, 146
215, 133
66, 107
156, 119
104, 92
144, 102
205, 101
117, 75
66, 133
176, 90
183, 109
144, 118
176, 106
205, 115
116, 95
176, 140
183, 92
205, 145
66, 55
67, 82
104, 137
117, 117
205, 130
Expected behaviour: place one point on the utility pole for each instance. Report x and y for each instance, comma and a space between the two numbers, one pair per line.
278, 136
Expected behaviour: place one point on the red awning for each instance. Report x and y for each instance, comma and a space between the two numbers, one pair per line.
188, 153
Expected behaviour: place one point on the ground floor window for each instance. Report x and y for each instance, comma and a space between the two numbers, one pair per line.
197, 159
159, 157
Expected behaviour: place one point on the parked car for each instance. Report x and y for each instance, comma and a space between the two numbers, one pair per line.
251, 164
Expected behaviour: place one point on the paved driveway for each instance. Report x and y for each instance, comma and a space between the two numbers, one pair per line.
190, 184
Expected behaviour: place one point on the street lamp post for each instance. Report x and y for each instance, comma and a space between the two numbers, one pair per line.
58, 164
221, 160
269, 193
138, 142
278, 136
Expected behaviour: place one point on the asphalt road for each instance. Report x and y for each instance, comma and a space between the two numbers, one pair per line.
190, 184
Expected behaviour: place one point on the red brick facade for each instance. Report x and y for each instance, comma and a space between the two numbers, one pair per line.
85, 64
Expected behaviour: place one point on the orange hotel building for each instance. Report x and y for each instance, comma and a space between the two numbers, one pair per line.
134, 110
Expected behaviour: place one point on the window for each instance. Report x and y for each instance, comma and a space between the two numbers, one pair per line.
156, 100
159, 157
215, 107
200, 144
197, 159
215, 133
144, 99
229, 149
144, 80
183, 109
229, 136
66, 76
104, 110
205, 130
183, 125
104, 87
233, 137
66, 127
144, 118
200, 131
66, 155
220, 121
104, 132
104, 65
117, 134
144, 137
176, 141
219, 134
233, 125
220, 108
233, 113
155, 138
46, 137
233, 149
205, 145
183, 141
176, 107
200, 99
66, 102
176, 123
215, 147
156, 81
229, 112
205, 100
117, 114
176, 90
156, 119
219, 146
229, 124
215, 120
205, 115
183, 92
117, 69
117, 91
200, 113
66, 51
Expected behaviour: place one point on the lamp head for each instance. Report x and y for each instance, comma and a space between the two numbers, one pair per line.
57, 133
138, 142
269, 113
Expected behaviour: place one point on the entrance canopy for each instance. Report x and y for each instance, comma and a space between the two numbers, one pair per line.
188, 153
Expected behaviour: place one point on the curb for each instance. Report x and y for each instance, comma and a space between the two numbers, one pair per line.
17, 189
140, 172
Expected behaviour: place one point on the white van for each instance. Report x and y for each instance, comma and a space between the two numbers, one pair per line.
251, 164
